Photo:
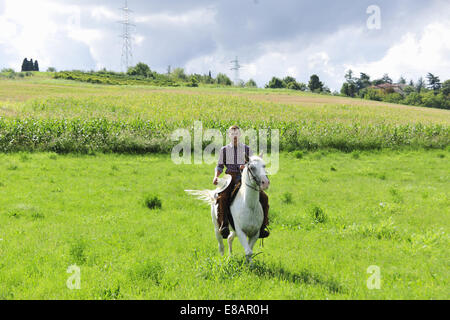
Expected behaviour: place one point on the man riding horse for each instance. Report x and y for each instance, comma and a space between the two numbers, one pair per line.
233, 156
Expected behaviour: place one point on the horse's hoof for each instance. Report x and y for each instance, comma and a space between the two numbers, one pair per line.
264, 233
225, 232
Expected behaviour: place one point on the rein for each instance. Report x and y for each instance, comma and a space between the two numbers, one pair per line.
258, 188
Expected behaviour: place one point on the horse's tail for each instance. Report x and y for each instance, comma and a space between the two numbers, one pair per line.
204, 195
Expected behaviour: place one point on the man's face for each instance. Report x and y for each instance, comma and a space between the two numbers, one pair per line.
234, 135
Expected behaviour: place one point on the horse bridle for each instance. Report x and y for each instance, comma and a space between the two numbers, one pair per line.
258, 183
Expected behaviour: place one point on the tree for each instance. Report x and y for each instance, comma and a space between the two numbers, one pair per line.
409, 89
315, 85
386, 79
51, 69
434, 83
432, 100
193, 81
29, 65
348, 89
141, 69
178, 73
420, 85
287, 80
251, 84
210, 78
223, 79
275, 83
25, 65
446, 88
349, 76
413, 99
402, 80
362, 82
297, 86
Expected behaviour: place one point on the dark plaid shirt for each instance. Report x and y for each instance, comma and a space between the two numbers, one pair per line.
233, 157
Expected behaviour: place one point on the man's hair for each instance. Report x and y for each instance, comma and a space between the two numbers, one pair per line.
234, 127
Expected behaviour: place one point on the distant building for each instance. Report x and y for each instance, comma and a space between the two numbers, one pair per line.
390, 87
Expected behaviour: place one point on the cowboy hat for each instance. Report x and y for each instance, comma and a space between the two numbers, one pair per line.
223, 183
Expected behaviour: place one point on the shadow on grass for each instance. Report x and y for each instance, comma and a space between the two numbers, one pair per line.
233, 267
305, 276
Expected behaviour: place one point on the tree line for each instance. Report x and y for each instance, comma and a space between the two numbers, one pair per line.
178, 75
314, 84
428, 93
29, 65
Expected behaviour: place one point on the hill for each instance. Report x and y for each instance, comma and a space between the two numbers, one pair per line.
39, 112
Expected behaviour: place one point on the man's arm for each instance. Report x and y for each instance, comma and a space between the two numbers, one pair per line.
220, 166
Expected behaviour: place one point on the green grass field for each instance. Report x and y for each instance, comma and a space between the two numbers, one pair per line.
383, 202
388, 209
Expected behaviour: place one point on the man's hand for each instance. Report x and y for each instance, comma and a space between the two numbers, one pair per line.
216, 181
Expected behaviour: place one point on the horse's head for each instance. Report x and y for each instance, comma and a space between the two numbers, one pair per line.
257, 170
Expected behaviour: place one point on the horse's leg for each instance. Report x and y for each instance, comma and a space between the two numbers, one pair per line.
230, 241
243, 240
216, 229
251, 243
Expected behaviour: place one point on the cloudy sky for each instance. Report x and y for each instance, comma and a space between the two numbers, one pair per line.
406, 38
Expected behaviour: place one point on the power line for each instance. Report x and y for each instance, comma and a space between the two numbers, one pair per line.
236, 66
127, 53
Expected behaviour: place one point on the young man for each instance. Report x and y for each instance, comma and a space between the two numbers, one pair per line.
233, 157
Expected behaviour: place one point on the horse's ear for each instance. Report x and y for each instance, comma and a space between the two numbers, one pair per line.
261, 154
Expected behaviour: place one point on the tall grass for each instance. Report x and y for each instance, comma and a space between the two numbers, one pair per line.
147, 136
82, 118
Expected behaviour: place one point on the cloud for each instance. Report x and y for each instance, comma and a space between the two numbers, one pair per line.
271, 38
415, 54
40, 29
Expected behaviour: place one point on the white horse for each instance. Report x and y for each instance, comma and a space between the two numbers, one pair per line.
246, 209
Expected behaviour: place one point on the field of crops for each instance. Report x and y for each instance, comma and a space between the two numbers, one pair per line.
49, 115
360, 184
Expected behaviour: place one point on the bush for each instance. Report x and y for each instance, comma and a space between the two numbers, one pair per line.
393, 97
297, 86
298, 154
141, 69
318, 215
431, 100
446, 89
251, 84
193, 82
372, 94
286, 198
275, 83
223, 79
152, 202
413, 99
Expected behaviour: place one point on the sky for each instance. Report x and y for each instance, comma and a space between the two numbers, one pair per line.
298, 38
